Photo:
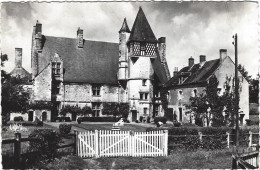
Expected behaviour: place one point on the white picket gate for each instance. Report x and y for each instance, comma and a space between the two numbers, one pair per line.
104, 143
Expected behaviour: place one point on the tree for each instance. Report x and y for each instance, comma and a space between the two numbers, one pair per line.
14, 97
210, 106
116, 109
244, 73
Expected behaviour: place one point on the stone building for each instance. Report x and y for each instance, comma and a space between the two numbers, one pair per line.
77, 71
192, 80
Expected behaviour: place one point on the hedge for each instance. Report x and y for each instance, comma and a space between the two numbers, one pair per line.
63, 119
215, 137
160, 119
18, 118
97, 119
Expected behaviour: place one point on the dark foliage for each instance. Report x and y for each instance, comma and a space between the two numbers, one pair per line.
14, 97
18, 118
63, 119
41, 105
97, 119
116, 109
176, 124
71, 109
160, 119
46, 144
38, 122
65, 128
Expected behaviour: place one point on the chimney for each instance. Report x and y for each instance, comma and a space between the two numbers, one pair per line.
191, 61
80, 38
175, 72
162, 40
18, 57
202, 58
38, 35
222, 54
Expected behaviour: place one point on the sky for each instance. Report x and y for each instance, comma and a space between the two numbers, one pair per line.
190, 28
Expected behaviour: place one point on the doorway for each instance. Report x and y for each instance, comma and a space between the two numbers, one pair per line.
180, 114
134, 115
44, 116
30, 116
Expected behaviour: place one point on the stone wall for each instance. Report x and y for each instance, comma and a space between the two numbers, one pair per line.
42, 85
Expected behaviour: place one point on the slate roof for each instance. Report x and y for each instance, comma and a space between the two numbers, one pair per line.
159, 70
141, 30
194, 76
124, 27
96, 62
20, 71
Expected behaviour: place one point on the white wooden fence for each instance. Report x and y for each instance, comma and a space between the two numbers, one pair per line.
104, 143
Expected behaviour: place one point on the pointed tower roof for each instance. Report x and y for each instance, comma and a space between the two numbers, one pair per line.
124, 27
141, 30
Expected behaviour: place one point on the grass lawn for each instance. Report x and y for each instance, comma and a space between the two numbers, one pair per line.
220, 159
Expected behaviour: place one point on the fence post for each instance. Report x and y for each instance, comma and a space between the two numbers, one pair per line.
200, 136
165, 142
228, 139
75, 142
250, 138
17, 148
234, 162
96, 142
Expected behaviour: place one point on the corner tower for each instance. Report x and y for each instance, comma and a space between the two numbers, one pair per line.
142, 51
124, 33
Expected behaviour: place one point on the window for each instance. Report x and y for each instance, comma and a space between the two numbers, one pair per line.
96, 109
156, 110
96, 90
157, 94
58, 88
56, 68
195, 92
144, 82
143, 96
145, 111
180, 95
143, 48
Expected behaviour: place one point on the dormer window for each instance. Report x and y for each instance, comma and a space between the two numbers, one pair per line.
56, 66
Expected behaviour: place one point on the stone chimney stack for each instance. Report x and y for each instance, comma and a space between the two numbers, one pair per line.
38, 35
202, 58
175, 72
80, 38
18, 57
191, 61
222, 54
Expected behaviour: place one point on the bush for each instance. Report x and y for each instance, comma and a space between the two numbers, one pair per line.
97, 119
160, 119
137, 121
38, 122
23, 123
64, 128
63, 119
176, 124
46, 144
18, 118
